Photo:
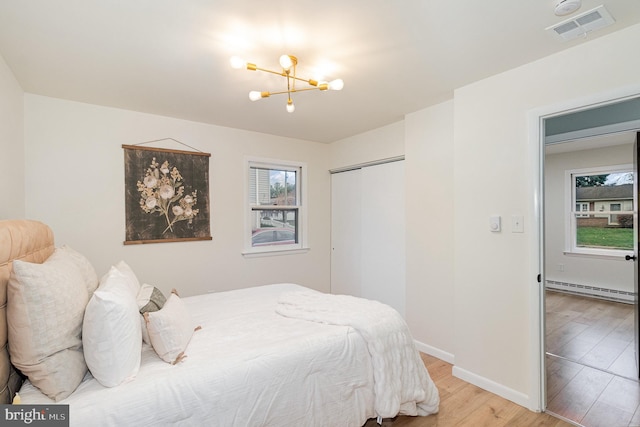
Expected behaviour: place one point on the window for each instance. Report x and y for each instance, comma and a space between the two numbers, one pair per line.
582, 207
275, 212
613, 218
600, 221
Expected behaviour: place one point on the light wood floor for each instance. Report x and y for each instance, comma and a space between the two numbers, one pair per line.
463, 404
591, 372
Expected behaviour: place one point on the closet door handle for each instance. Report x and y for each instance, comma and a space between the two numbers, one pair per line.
630, 258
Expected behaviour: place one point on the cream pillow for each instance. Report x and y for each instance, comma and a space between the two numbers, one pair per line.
170, 329
45, 307
111, 332
134, 284
86, 269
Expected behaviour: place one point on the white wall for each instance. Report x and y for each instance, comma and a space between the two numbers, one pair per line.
592, 271
381, 143
11, 145
494, 174
429, 239
75, 183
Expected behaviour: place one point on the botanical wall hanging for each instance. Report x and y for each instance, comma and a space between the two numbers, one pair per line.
166, 195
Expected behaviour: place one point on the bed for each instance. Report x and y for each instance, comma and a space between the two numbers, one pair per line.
273, 355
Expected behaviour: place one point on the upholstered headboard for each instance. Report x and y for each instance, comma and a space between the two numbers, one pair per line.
28, 241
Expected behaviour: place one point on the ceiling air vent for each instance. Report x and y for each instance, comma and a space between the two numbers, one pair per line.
580, 25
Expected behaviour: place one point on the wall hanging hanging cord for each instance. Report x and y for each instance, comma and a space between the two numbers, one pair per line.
165, 139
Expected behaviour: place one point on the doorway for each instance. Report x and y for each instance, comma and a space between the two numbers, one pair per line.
586, 134
589, 296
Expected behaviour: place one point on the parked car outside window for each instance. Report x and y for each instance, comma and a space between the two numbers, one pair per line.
273, 236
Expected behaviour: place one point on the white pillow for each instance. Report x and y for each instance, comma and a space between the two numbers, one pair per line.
45, 306
111, 332
170, 329
132, 279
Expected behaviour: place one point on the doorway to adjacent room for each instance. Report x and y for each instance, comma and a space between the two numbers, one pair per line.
590, 293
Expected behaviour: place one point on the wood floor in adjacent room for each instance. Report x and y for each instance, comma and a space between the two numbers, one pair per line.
463, 404
592, 377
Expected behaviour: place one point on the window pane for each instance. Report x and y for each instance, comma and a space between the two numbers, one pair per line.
604, 193
272, 186
274, 227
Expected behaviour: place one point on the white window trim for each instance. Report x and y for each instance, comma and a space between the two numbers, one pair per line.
303, 241
571, 219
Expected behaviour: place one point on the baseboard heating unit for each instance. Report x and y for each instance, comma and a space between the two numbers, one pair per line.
592, 291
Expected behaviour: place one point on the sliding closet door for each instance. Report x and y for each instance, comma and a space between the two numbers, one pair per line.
368, 234
346, 240
383, 228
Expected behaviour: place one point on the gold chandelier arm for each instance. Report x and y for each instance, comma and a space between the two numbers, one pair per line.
296, 90
254, 67
311, 82
278, 73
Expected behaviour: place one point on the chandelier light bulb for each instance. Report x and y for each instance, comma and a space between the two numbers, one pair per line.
336, 84
237, 62
286, 62
254, 95
290, 107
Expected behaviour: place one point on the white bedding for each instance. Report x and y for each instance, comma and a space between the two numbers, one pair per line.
247, 366
401, 382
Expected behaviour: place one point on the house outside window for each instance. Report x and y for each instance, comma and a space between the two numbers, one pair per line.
275, 214
601, 217
582, 207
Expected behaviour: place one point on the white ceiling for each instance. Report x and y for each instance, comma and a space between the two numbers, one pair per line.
171, 57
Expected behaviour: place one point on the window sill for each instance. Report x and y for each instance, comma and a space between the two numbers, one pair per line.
619, 257
278, 252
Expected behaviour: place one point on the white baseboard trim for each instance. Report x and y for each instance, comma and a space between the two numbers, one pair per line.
492, 386
482, 382
435, 352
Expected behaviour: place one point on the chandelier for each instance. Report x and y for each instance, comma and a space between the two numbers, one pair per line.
288, 64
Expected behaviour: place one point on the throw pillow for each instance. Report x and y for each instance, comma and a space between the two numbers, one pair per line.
86, 269
149, 299
45, 308
170, 329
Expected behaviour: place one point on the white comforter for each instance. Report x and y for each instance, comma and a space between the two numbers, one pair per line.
247, 366
401, 382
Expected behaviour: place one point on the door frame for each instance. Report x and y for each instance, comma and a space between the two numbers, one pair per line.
536, 141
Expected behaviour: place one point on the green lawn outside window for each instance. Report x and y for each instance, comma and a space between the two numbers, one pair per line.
609, 238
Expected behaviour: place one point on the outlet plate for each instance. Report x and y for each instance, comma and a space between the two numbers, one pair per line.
517, 224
